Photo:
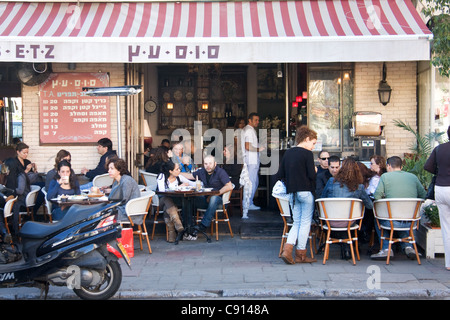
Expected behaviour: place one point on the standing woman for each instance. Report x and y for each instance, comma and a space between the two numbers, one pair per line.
124, 186
298, 171
64, 183
439, 164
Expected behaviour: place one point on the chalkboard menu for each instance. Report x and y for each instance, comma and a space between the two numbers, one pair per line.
67, 115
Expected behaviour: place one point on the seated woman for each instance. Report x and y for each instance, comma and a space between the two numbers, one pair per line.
64, 183
61, 155
169, 179
155, 164
124, 186
348, 183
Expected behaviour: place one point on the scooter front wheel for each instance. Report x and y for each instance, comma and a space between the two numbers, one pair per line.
105, 290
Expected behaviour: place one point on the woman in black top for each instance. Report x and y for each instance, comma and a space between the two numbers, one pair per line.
439, 164
298, 172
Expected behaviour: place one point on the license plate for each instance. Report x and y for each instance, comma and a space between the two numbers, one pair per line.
124, 253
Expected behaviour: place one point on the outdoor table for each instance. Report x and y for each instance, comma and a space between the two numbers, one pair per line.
80, 200
188, 198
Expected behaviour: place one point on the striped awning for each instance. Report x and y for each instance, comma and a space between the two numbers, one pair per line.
263, 31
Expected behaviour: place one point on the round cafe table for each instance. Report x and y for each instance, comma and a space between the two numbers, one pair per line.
188, 200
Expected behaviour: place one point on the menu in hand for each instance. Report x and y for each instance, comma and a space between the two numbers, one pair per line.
67, 115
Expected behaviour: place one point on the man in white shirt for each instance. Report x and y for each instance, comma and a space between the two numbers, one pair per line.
250, 150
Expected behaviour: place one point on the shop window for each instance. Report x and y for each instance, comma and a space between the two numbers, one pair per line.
330, 105
11, 120
10, 105
271, 96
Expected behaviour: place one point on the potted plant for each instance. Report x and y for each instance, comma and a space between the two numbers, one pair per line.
431, 212
429, 235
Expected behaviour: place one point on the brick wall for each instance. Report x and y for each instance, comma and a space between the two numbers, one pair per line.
401, 76
82, 155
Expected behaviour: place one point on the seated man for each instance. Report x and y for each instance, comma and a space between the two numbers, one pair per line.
334, 163
213, 177
104, 148
396, 183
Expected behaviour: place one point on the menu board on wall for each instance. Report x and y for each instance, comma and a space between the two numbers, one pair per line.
67, 114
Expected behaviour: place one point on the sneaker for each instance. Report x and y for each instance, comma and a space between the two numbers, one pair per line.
411, 253
382, 254
189, 237
253, 207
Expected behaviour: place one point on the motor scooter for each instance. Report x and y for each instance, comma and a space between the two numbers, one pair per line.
71, 252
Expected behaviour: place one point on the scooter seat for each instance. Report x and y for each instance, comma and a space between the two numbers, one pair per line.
37, 230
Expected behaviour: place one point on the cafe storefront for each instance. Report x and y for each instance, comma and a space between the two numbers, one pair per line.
293, 62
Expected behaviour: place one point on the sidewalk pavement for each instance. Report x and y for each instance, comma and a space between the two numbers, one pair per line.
247, 266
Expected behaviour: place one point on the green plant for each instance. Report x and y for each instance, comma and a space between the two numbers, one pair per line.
421, 151
432, 213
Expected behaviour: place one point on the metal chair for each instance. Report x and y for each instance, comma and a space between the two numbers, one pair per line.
102, 180
137, 210
30, 201
285, 212
341, 214
216, 219
398, 209
8, 212
149, 179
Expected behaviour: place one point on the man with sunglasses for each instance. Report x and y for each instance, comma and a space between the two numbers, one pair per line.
323, 161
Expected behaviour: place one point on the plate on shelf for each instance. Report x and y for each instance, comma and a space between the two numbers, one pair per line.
178, 95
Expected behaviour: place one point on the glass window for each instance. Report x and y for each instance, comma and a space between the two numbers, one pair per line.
330, 105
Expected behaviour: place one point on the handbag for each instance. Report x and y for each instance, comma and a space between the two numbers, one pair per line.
279, 190
430, 190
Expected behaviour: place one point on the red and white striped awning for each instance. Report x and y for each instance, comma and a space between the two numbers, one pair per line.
263, 31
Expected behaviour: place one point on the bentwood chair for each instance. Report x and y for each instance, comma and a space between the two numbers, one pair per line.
30, 201
48, 207
137, 210
285, 213
398, 209
341, 214
149, 179
156, 214
216, 220
102, 180
8, 212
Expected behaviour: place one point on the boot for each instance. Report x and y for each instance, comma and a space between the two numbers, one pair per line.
175, 218
172, 235
287, 253
300, 257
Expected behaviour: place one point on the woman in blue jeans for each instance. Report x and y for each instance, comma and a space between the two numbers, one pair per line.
298, 172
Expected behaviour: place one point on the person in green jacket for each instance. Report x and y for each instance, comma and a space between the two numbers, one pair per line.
396, 183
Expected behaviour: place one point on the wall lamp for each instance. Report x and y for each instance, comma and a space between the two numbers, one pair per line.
384, 90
